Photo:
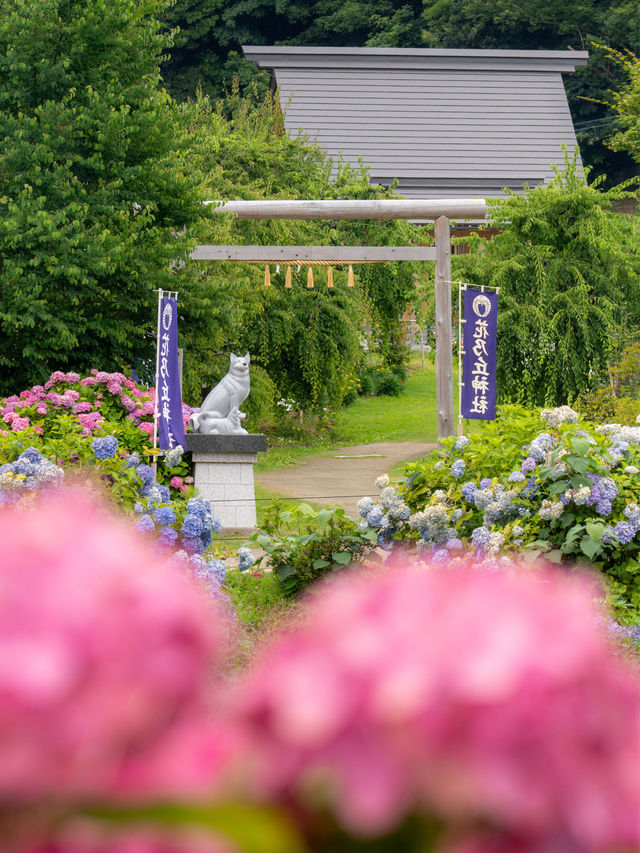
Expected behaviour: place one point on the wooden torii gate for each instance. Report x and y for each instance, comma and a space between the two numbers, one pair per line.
440, 211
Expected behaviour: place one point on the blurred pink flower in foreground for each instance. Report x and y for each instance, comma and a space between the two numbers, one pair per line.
481, 698
84, 837
106, 662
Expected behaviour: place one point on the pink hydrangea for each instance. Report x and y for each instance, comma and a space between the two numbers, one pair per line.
71, 394
9, 416
72, 377
146, 427
106, 662
88, 380
82, 406
87, 837
177, 482
41, 409
481, 698
18, 424
127, 402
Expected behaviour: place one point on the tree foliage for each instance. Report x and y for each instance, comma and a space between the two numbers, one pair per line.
305, 340
626, 104
211, 33
89, 200
569, 276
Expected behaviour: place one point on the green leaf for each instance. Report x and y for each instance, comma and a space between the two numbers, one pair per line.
284, 571
595, 529
342, 557
580, 444
557, 487
321, 564
589, 547
578, 463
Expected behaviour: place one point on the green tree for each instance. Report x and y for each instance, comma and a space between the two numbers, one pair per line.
569, 276
90, 203
305, 340
626, 104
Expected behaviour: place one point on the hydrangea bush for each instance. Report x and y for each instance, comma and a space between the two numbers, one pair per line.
549, 485
99, 428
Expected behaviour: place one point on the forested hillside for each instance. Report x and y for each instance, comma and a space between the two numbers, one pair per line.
207, 50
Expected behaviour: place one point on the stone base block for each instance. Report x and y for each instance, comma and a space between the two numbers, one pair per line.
224, 475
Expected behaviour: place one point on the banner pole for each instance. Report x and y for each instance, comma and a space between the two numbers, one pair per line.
156, 408
461, 287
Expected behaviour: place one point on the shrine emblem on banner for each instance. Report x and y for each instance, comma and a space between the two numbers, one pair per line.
478, 399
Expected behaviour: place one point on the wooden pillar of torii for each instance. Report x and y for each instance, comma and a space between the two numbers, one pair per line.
440, 211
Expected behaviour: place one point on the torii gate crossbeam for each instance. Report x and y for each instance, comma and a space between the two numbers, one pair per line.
440, 211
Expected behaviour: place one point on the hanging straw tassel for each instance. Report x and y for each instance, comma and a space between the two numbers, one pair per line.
329, 276
267, 276
287, 278
310, 277
350, 282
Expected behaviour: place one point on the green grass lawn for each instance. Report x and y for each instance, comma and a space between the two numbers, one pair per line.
412, 416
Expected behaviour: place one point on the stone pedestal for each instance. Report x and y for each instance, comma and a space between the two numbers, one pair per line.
224, 475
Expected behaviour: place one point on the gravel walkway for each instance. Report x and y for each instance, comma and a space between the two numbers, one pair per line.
343, 475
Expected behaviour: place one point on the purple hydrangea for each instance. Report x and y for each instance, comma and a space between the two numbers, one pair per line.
485, 482
516, 477
192, 545
528, 465
168, 536
625, 532
480, 537
145, 524
603, 507
468, 490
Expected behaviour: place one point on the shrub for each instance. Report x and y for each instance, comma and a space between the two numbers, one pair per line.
381, 380
568, 492
302, 544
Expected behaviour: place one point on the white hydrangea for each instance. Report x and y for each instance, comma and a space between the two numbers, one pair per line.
560, 415
382, 482
496, 541
578, 496
551, 509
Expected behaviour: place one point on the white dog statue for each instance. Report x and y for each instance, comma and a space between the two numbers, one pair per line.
220, 412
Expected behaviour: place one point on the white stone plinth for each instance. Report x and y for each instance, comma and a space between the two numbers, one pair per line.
224, 476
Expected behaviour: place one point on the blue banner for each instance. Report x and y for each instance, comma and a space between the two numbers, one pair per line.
479, 355
169, 406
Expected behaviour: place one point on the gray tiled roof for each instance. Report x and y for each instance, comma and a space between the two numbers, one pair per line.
445, 123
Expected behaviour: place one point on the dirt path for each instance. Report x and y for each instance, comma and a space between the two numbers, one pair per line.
343, 475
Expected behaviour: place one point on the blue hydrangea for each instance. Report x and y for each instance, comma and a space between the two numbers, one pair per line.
441, 555
384, 541
24, 466
609, 536
528, 465
164, 495
168, 536
364, 506
145, 472
375, 516
603, 507
198, 507
540, 446
105, 447
133, 461
516, 477
192, 526
174, 457
138, 507
485, 483
458, 467
461, 443
468, 490
245, 559
164, 515
33, 455
145, 524
457, 515
454, 544
625, 532
216, 525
